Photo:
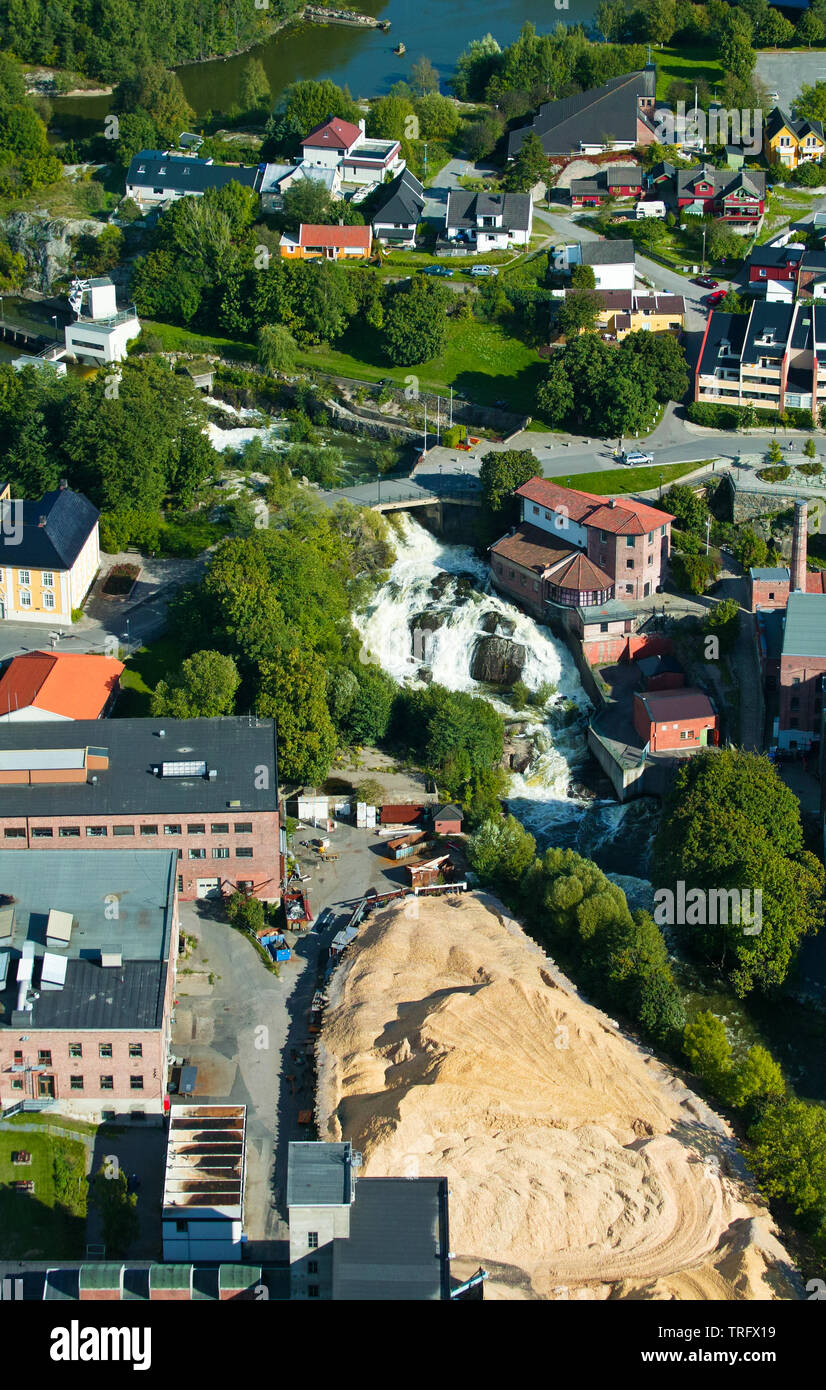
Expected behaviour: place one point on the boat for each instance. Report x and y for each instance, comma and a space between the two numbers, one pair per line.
400, 50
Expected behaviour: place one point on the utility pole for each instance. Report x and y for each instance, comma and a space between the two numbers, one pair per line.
451, 407
708, 531
424, 450
438, 419
703, 266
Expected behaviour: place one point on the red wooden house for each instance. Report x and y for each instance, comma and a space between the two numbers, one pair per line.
735, 196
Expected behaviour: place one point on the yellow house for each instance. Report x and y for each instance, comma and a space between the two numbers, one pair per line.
49, 555
630, 311
791, 143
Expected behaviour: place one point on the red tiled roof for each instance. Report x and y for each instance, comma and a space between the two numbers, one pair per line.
532, 548
74, 685
581, 574
624, 518
816, 581
332, 133
314, 234
401, 815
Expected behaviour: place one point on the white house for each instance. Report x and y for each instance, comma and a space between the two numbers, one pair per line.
163, 176
396, 218
488, 221
612, 262
101, 331
338, 144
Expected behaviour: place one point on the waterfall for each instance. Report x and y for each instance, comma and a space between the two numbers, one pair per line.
424, 625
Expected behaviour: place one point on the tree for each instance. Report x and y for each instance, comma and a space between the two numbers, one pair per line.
438, 117
501, 851
254, 92
156, 91
723, 621
583, 277
528, 168
757, 1078
414, 327
723, 242
246, 912
293, 692
502, 472
750, 549
368, 718
579, 312
482, 136
688, 510
388, 118
811, 102
611, 18
788, 1157
117, 1208
809, 29
708, 1050
424, 78
277, 348
203, 688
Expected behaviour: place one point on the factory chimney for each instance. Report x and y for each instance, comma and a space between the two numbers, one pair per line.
798, 565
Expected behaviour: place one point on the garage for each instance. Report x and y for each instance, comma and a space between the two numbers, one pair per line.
209, 887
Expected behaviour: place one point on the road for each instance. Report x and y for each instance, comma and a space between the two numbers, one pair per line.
785, 73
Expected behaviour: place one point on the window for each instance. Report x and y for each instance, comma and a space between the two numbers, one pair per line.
107, 1083
17, 1084
196, 830
47, 579
220, 827
180, 883
25, 599
123, 829
96, 831
312, 1240
42, 832
136, 1083
629, 540
172, 830
535, 511
44, 1058
48, 600
312, 1290
244, 852
16, 832
24, 577
18, 1059
312, 1266
243, 827
603, 535
687, 733
222, 853
603, 627
149, 829
771, 595
197, 854
105, 1050
76, 1083
629, 564
136, 1049
181, 1226
245, 885
75, 1049
69, 832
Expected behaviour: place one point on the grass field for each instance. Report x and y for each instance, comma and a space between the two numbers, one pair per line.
624, 480
688, 65
141, 674
51, 1222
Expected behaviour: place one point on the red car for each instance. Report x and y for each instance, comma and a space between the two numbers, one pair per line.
706, 282
716, 298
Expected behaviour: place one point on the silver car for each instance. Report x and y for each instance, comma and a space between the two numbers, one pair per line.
636, 456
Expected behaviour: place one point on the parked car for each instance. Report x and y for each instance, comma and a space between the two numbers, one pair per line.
636, 456
438, 270
706, 282
483, 270
716, 298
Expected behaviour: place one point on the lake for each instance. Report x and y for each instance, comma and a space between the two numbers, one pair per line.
361, 59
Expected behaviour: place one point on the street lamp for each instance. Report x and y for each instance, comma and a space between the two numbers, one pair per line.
708, 531
661, 487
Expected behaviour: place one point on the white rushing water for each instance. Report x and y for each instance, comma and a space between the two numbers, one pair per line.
545, 796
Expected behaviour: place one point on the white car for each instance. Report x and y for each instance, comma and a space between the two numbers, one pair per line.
636, 456
483, 270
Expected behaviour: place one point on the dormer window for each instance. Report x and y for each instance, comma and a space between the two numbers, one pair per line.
162, 169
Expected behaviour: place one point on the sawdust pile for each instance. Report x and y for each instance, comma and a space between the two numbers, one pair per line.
579, 1166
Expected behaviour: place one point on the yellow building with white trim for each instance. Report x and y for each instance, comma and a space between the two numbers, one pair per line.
49, 555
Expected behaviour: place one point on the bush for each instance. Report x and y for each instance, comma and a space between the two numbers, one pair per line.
693, 574
777, 473
520, 694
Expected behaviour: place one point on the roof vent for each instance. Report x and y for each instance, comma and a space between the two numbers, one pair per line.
212, 774
112, 958
162, 733
41, 521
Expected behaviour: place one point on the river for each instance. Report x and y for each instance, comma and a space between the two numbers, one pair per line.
361, 59
424, 624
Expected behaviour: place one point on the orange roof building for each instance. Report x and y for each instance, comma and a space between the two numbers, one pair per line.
330, 243
578, 550
59, 685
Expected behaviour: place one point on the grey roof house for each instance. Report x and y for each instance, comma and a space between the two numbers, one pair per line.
398, 210
618, 115
488, 221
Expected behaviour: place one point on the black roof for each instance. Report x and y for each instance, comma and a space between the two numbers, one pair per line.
401, 200
776, 255
778, 118
589, 117
68, 520
613, 252
723, 181
240, 749
448, 812
154, 169
398, 1242
722, 327
96, 996
463, 209
768, 330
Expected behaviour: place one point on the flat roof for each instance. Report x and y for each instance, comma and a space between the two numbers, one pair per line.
805, 630
398, 1242
769, 572
240, 750
205, 1161
119, 903
319, 1174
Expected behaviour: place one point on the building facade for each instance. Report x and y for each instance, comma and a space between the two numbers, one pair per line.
773, 357
790, 142
326, 243
49, 555
672, 720
205, 788
802, 668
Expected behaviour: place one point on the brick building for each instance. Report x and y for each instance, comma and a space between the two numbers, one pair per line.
802, 666
675, 719
87, 979
206, 788
578, 550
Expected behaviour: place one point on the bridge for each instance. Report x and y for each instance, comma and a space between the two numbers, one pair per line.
405, 494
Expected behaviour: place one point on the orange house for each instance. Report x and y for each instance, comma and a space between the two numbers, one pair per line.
675, 719
334, 243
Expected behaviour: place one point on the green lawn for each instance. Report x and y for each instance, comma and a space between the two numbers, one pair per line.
141, 674
624, 480
175, 339
687, 64
51, 1222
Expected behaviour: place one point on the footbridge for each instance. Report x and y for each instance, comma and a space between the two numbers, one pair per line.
405, 494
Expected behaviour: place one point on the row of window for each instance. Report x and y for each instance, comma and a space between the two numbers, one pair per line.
26, 599
105, 1083
72, 832
44, 1056
46, 578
